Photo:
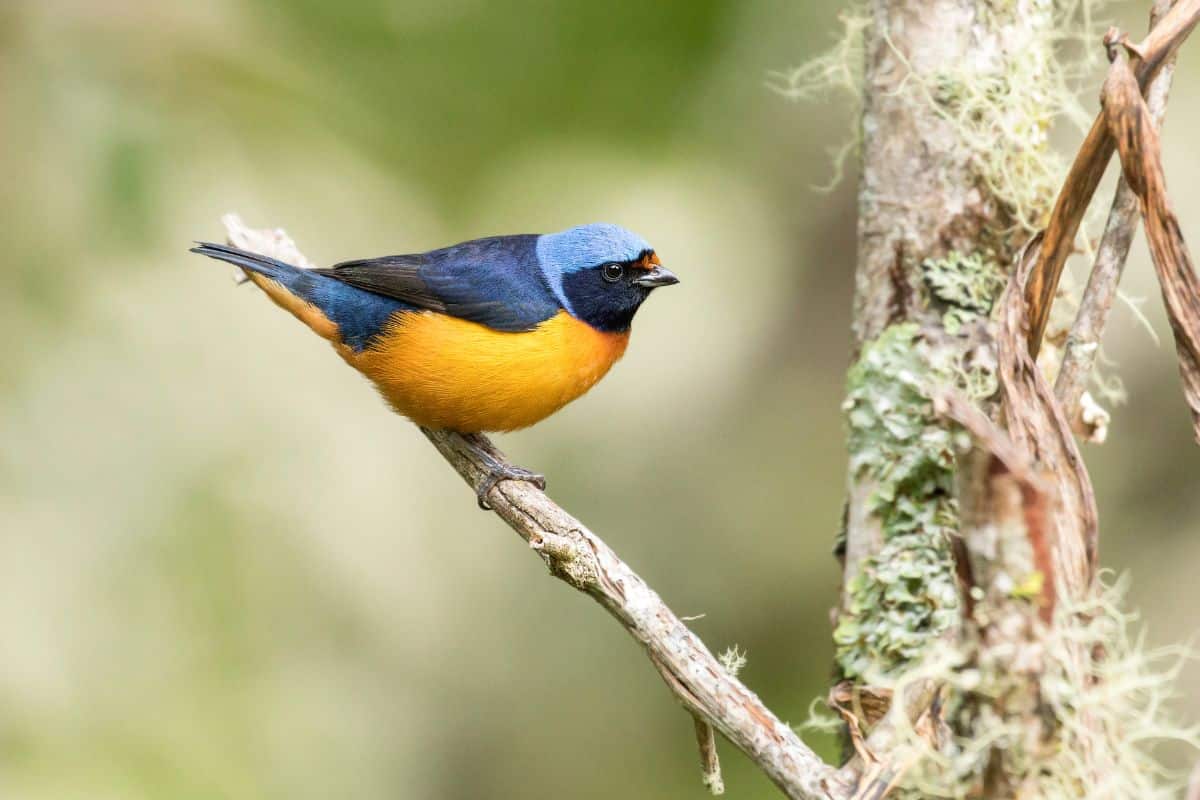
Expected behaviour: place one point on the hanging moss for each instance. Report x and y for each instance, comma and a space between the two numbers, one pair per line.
1001, 106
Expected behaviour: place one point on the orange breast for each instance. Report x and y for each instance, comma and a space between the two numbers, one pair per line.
444, 372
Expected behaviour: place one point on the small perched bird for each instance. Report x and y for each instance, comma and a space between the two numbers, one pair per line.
492, 334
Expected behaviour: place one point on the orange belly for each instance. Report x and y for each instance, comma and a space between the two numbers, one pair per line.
444, 372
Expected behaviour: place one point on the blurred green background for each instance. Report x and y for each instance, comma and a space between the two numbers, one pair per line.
228, 571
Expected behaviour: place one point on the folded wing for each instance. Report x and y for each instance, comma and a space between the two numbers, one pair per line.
495, 282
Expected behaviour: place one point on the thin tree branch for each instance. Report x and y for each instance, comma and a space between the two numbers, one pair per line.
578, 557
1131, 126
1088, 168
710, 762
1083, 343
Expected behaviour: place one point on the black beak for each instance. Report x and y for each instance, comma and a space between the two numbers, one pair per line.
659, 276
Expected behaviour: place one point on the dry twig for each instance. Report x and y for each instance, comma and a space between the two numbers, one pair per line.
580, 558
884, 757
1083, 342
1088, 168
1036, 425
1131, 124
710, 762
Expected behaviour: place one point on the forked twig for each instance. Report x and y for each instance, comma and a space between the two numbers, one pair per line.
1083, 342
1132, 126
1088, 168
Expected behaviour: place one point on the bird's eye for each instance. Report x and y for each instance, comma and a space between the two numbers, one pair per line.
612, 272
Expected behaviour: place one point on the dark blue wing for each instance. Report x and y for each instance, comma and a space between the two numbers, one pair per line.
495, 281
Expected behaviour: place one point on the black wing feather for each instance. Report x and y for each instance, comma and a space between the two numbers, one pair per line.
391, 276
496, 282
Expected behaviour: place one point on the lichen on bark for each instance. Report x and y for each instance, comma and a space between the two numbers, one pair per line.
905, 593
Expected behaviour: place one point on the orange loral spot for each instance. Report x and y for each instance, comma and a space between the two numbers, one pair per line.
648, 261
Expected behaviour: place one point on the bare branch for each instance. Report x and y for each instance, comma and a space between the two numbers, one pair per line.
710, 762
576, 555
1088, 168
1083, 343
580, 558
1130, 124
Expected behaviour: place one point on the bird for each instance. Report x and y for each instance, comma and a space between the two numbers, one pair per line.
488, 335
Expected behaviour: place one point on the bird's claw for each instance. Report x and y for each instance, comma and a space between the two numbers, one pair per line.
495, 469
505, 472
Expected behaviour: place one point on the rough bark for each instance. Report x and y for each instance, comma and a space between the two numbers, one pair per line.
934, 358
917, 198
920, 195
921, 198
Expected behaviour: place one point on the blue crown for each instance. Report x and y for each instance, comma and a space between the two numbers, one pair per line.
583, 247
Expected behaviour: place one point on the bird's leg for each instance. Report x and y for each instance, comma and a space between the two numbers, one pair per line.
497, 470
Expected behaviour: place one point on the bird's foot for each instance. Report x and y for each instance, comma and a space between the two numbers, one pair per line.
505, 472
497, 471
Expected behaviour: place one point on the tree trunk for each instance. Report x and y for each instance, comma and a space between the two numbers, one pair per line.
957, 556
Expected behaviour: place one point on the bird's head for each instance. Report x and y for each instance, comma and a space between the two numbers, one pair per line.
601, 273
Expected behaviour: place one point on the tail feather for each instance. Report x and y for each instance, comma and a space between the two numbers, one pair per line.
334, 310
291, 288
263, 265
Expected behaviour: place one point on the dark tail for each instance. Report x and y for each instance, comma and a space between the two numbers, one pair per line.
294, 289
276, 270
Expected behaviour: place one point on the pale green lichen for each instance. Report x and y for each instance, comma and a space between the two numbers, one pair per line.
971, 282
905, 595
1002, 109
1004, 98
967, 284
1104, 712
